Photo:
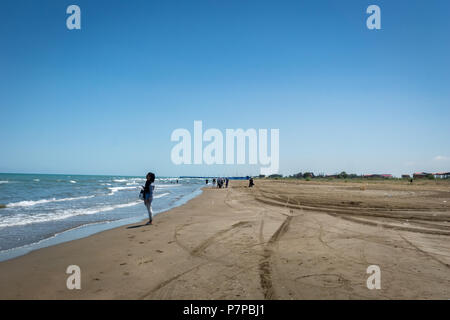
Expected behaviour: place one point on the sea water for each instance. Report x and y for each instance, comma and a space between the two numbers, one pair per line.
38, 210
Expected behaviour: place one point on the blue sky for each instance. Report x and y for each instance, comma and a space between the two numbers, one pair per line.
105, 99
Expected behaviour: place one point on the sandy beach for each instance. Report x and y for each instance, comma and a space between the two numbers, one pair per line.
279, 240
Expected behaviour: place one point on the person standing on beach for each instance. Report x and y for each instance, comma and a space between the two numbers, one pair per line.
226, 182
148, 195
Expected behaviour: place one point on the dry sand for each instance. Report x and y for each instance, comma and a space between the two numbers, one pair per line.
279, 240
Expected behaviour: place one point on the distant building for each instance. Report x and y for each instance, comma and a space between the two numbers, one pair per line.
421, 175
442, 175
406, 176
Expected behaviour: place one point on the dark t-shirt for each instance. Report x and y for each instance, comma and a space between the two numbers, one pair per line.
147, 186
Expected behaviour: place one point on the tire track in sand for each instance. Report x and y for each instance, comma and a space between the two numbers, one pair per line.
197, 252
424, 252
168, 281
265, 269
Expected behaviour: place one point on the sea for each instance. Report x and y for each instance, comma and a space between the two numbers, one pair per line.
40, 210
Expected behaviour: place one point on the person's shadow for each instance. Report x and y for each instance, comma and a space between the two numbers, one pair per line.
138, 226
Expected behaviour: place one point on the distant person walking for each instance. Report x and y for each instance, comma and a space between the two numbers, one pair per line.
226, 182
250, 183
148, 195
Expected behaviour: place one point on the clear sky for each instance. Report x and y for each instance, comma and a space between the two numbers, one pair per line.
105, 99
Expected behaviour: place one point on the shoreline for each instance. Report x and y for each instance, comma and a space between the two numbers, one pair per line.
86, 230
273, 241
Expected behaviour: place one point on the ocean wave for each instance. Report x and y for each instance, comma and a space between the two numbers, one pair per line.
161, 195
167, 185
29, 203
132, 180
4, 182
134, 183
115, 189
72, 181
36, 180
24, 219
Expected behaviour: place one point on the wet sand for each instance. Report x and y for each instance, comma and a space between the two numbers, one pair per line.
280, 240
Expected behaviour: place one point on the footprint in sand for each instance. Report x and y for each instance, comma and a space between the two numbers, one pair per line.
144, 262
126, 273
124, 263
159, 251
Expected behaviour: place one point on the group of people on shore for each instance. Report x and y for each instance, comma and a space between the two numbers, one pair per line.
219, 182
223, 182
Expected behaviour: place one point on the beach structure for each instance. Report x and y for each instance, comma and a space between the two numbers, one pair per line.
406, 176
421, 175
442, 175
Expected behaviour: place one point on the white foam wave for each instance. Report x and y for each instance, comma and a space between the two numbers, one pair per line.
160, 195
24, 219
3, 182
115, 189
130, 180
72, 181
134, 183
30, 203
167, 185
